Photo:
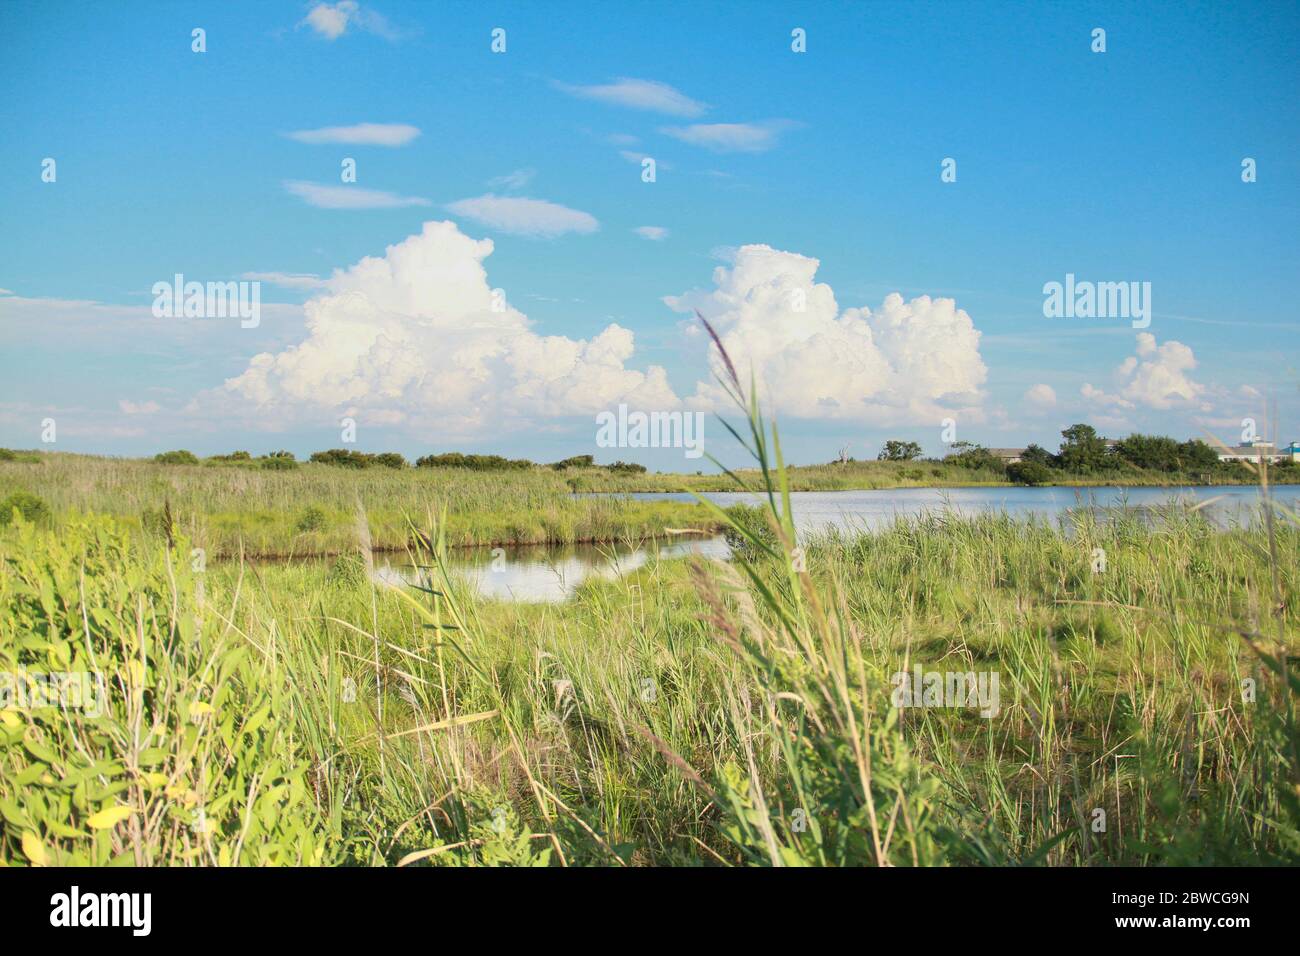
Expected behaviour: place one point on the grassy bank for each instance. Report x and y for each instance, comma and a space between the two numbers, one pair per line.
870, 475
312, 509
232, 508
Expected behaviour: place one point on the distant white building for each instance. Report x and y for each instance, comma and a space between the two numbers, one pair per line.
1261, 450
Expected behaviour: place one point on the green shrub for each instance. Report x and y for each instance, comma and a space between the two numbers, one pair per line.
341, 456
178, 457
358, 459
313, 519
348, 570
455, 459
1029, 473
30, 506
577, 461
28, 457
975, 457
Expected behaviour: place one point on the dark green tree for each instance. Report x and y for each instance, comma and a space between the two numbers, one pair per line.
1039, 456
1083, 451
895, 450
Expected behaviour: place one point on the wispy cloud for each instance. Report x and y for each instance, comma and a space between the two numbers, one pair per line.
349, 197
287, 280
731, 137
142, 408
331, 20
653, 233
362, 134
516, 180
535, 218
648, 95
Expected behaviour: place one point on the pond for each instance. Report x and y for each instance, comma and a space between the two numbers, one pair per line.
551, 573
874, 509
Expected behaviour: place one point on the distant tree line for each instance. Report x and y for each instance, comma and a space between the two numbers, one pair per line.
348, 458
1082, 453
275, 461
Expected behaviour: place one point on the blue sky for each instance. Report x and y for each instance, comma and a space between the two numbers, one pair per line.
1115, 166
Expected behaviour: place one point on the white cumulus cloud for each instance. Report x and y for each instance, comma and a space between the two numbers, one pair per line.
914, 362
1156, 377
412, 338
519, 216
654, 233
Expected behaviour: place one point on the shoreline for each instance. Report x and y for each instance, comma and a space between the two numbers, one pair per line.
279, 556
949, 485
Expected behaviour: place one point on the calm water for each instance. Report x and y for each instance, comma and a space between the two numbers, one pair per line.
552, 573
870, 510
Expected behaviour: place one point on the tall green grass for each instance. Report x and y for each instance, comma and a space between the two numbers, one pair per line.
679, 715
231, 510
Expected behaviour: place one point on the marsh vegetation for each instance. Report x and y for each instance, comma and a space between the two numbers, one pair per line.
690, 712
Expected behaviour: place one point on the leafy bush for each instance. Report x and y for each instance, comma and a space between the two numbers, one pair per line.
313, 519
348, 570
179, 457
342, 457
30, 506
577, 461
233, 456
455, 459
27, 457
626, 468
1029, 473
279, 461
358, 459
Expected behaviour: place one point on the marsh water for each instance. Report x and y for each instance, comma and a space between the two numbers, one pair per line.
551, 573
